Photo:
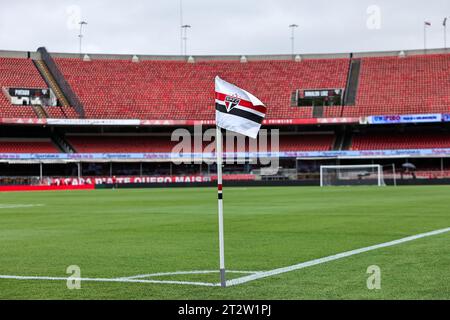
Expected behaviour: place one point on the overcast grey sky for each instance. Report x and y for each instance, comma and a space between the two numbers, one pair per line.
221, 26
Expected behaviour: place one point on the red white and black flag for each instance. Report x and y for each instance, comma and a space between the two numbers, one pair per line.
238, 110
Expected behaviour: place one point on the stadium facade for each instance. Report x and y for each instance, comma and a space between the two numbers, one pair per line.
104, 119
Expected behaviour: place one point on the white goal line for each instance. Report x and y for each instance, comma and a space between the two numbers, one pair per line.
252, 275
122, 280
136, 278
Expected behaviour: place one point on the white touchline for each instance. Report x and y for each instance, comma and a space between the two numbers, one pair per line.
135, 279
302, 265
123, 280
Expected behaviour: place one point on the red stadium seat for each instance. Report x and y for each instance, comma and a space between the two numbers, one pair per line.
18, 72
27, 146
119, 89
116, 144
392, 141
411, 85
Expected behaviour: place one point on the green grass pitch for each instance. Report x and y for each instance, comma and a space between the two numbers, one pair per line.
121, 233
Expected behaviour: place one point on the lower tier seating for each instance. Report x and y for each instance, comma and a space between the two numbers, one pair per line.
392, 141
116, 144
27, 146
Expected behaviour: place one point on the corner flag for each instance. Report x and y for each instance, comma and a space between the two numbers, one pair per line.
239, 111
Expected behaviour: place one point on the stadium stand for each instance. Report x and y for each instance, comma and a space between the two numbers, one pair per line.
165, 89
307, 142
392, 141
113, 144
411, 85
169, 88
27, 146
118, 89
116, 144
18, 72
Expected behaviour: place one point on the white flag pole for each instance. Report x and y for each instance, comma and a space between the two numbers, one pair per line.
220, 205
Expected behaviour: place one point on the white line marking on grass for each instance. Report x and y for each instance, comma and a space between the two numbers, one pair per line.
302, 265
135, 279
159, 274
122, 280
253, 275
12, 206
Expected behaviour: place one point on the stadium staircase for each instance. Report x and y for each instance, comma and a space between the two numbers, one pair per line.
352, 83
346, 139
51, 82
338, 141
343, 139
317, 111
65, 89
40, 112
60, 142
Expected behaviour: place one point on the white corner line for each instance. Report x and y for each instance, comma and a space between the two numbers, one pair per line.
122, 280
159, 274
135, 279
302, 265
253, 275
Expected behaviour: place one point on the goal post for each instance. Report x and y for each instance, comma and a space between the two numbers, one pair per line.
352, 175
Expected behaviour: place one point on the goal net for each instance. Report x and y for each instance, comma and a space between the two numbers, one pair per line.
352, 175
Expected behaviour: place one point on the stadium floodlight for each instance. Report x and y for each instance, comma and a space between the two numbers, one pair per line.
181, 27
426, 24
184, 28
352, 175
80, 35
293, 26
444, 24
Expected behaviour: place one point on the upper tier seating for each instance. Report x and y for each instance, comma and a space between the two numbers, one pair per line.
18, 72
116, 144
391, 141
177, 90
120, 89
27, 146
393, 85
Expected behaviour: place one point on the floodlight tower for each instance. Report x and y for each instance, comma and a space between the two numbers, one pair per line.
185, 27
444, 24
293, 26
426, 25
81, 23
181, 27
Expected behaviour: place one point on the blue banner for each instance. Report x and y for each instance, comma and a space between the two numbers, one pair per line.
409, 118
